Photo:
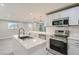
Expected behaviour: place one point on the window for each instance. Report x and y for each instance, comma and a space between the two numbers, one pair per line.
40, 27
12, 25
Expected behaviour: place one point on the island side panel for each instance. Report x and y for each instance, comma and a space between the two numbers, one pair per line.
18, 49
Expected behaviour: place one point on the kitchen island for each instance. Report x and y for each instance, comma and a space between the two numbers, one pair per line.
32, 46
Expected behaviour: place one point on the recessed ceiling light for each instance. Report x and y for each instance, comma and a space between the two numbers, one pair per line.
2, 5
30, 25
31, 13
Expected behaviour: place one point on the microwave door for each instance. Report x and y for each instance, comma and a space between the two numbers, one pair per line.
58, 22
55, 22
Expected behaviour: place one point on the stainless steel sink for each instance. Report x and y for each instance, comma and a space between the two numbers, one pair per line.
25, 37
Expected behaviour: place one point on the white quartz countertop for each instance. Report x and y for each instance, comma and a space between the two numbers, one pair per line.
29, 43
74, 37
44, 33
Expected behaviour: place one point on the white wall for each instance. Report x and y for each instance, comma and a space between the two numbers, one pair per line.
5, 32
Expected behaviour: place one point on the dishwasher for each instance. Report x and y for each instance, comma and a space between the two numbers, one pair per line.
73, 47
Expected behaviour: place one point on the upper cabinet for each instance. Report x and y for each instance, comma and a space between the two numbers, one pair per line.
64, 13
74, 16
72, 13
56, 15
48, 21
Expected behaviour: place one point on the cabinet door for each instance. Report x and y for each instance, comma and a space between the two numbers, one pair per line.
73, 47
56, 15
77, 14
64, 13
73, 50
49, 20
74, 16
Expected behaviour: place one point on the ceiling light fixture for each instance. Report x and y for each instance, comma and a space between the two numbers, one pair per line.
40, 18
31, 14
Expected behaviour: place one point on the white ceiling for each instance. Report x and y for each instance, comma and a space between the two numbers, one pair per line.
28, 11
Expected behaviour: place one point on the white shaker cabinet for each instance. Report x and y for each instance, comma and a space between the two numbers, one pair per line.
72, 13
52, 17
56, 15
73, 47
48, 21
64, 13
74, 16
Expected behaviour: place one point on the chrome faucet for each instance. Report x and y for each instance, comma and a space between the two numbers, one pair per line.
20, 30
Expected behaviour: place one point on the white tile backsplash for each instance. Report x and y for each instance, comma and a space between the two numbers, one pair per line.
74, 30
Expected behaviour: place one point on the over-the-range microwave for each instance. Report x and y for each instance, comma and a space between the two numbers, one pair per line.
61, 22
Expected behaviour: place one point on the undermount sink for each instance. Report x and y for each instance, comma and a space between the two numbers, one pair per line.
25, 37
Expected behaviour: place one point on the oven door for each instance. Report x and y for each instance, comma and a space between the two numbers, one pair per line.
58, 46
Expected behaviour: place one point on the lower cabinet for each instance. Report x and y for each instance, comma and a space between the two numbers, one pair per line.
42, 36
18, 49
73, 47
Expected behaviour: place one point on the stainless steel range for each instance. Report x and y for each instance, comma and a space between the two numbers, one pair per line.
58, 43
